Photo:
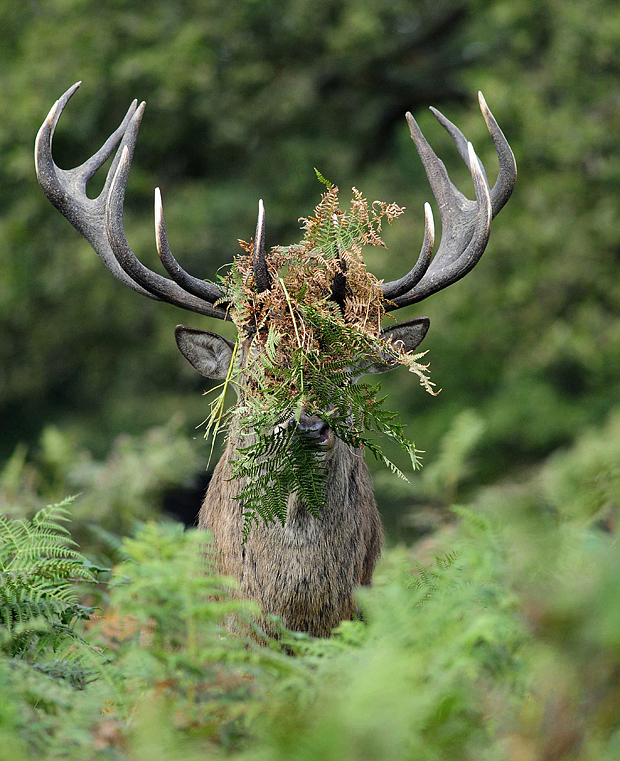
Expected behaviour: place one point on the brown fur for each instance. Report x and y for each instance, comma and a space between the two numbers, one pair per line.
307, 570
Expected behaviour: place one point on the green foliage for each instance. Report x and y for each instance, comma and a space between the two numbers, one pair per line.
40, 713
176, 645
452, 464
496, 637
414, 687
39, 606
276, 466
183, 641
128, 486
584, 482
278, 462
449, 475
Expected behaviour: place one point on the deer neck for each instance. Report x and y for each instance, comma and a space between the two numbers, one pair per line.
346, 477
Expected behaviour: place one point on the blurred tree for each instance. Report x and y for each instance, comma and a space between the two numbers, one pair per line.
244, 99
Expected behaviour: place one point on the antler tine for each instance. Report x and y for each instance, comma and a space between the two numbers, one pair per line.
339, 286
459, 139
159, 286
412, 278
261, 273
51, 176
189, 283
507, 176
444, 272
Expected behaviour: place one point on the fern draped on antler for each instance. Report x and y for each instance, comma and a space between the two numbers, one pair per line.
312, 336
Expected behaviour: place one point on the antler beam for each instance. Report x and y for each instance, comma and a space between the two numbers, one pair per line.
465, 224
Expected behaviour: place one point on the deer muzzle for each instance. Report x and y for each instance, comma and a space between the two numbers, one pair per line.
314, 430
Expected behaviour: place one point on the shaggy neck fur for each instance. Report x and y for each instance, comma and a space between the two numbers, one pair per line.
305, 571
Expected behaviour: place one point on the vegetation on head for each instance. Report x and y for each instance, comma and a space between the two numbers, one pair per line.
309, 325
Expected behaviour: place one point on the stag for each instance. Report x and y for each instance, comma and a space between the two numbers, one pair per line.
306, 570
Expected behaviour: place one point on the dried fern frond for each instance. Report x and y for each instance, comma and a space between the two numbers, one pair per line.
308, 348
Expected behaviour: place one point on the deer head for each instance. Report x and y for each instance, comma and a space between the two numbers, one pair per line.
466, 227
285, 568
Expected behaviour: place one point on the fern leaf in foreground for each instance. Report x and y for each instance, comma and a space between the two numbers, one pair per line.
38, 571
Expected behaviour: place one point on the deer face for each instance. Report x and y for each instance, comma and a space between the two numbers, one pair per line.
211, 354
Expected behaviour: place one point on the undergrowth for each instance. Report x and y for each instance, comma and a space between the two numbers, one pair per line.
496, 638
39, 569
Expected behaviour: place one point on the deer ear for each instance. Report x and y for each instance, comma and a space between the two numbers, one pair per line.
408, 334
206, 352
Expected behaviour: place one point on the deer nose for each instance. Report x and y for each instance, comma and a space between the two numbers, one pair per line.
312, 427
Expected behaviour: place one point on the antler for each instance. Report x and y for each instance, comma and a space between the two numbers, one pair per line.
100, 220
465, 224
262, 279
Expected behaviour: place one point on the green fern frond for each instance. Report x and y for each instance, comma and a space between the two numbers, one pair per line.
38, 572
